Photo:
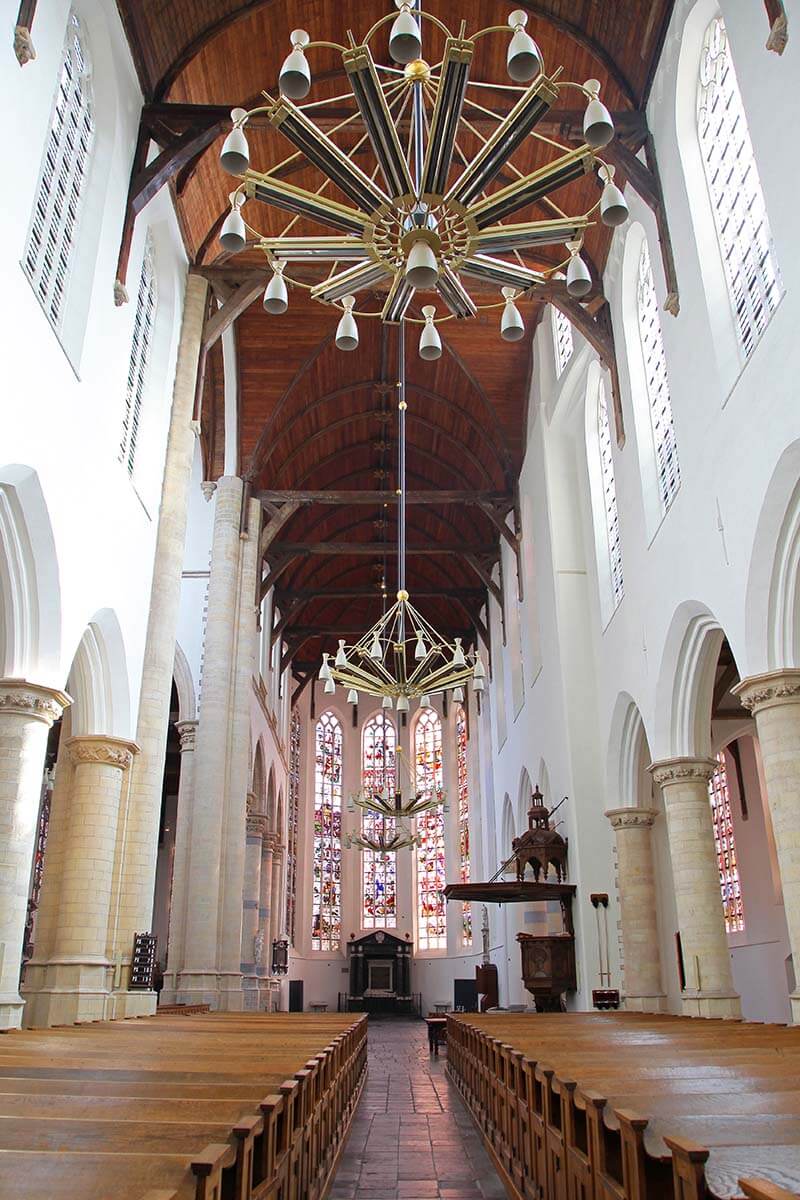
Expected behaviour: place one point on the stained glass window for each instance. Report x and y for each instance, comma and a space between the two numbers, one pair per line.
729, 884
326, 901
740, 214
562, 336
141, 341
56, 209
379, 871
431, 876
655, 367
609, 495
293, 825
463, 819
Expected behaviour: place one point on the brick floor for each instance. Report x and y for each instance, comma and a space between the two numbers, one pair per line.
412, 1138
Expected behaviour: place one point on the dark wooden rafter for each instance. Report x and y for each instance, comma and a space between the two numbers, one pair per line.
181, 147
778, 25
237, 303
279, 515
23, 42
348, 497
373, 549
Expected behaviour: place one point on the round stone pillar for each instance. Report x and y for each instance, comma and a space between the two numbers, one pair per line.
74, 984
637, 903
252, 948
264, 945
187, 731
709, 990
774, 701
27, 711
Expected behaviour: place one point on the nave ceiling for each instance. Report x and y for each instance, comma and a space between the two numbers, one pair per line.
312, 418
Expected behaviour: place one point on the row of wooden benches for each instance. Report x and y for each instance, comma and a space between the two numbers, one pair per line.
212, 1107
626, 1106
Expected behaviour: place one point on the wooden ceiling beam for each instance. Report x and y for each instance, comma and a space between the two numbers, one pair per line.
453, 496
375, 549
239, 302
23, 41
303, 595
778, 26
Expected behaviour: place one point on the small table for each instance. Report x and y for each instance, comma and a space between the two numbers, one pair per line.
318, 1008
440, 1009
437, 1033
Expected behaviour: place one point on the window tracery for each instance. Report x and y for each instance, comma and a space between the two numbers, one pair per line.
462, 780
613, 538
326, 901
56, 209
141, 343
430, 853
293, 821
563, 339
378, 871
748, 254
658, 396
721, 815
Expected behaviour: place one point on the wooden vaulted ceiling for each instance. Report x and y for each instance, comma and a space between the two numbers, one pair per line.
312, 418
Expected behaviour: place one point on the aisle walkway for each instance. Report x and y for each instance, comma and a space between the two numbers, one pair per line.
412, 1138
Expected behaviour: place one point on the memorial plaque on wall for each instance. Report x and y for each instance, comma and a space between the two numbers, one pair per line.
143, 962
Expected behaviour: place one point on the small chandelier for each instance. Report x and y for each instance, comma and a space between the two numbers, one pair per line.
382, 842
393, 811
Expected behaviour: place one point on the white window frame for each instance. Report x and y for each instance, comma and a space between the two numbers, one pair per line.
744, 239
563, 340
52, 235
613, 535
651, 341
141, 350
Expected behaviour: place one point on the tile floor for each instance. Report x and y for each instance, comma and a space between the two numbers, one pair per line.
412, 1137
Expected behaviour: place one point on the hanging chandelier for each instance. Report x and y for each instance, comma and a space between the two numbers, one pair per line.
426, 218
394, 812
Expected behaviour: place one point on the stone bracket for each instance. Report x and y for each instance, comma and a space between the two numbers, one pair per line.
779, 25
23, 42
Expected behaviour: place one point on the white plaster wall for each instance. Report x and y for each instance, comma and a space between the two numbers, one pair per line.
733, 422
62, 416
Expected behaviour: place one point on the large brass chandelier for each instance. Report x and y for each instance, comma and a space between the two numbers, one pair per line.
426, 218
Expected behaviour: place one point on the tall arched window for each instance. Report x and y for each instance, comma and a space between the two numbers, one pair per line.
655, 368
722, 817
562, 339
56, 209
748, 254
379, 871
326, 900
141, 343
293, 821
431, 875
462, 780
613, 540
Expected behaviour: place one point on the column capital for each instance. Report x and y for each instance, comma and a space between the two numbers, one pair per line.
256, 824
771, 688
102, 749
631, 817
187, 732
25, 699
679, 770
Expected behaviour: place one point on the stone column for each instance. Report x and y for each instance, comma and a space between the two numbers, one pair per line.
265, 907
644, 991
75, 985
138, 867
187, 731
774, 701
233, 830
709, 990
276, 899
252, 947
27, 711
199, 980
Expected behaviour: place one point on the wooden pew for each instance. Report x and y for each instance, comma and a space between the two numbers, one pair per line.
249, 1107
550, 1096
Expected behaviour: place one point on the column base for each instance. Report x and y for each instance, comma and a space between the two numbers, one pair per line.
66, 991
794, 1000
231, 995
11, 1008
124, 1005
654, 1003
711, 1004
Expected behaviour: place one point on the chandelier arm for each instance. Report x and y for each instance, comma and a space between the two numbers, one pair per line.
392, 16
